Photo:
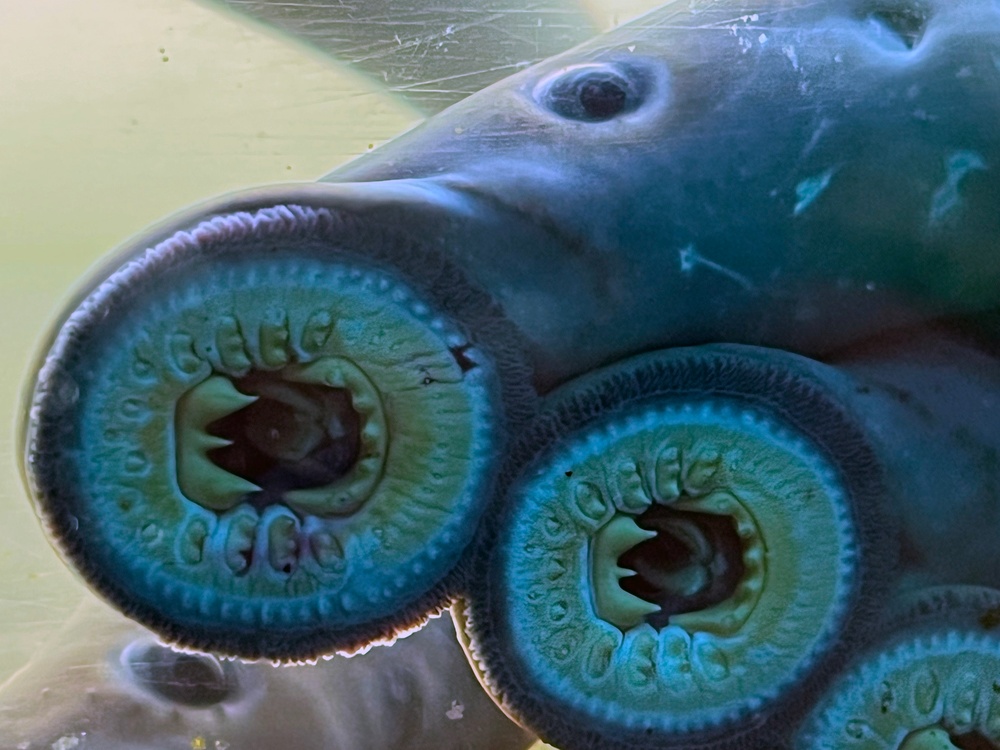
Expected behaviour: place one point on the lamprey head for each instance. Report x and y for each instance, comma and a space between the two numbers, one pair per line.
688, 540
272, 432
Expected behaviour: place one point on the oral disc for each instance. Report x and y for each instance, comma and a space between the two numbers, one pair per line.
932, 682
689, 539
261, 440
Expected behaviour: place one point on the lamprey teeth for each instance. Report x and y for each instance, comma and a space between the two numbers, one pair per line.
930, 682
931, 738
760, 545
200, 479
728, 616
611, 602
346, 494
282, 432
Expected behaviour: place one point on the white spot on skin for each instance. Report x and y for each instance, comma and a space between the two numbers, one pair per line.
762, 38
456, 711
792, 56
820, 131
809, 189
691, 259
946, 198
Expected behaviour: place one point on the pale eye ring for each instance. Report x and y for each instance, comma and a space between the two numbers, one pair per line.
594, 92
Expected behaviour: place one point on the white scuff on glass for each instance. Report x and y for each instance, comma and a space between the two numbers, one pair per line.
792, 55
690, 259
809, 189
947, 197
67, 742
456, 711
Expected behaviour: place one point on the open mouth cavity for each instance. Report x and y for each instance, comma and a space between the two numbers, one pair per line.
939, 738
309, 436
696, 561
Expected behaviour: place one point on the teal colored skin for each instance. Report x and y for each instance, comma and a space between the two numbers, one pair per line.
796, 177
820, 178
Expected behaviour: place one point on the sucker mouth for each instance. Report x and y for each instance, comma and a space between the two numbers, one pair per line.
310, 436
233, 387
680, 548
930, 683
694, 562
294, 436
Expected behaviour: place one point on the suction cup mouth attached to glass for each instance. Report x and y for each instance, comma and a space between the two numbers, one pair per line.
932, 682
690, 542
272, 433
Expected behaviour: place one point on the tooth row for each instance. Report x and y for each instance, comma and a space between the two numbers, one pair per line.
611, 602
199, 478
232, 351
671, 660
926, 680
632, 485
243, 540
727, 617
346, 495
207, 484
278, 334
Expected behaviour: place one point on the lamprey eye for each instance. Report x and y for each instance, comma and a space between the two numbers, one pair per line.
594, 92
262, 439
689, 542
193, 680
933, 683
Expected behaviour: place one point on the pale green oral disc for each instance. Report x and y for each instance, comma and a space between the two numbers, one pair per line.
931, 683
682, 554
277, 446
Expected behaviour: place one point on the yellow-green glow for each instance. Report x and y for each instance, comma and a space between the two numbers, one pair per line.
98, 128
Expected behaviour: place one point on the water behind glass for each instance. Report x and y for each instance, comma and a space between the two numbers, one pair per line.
114, 115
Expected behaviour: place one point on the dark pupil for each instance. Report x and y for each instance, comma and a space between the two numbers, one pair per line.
294, 436
602, 99
695, 561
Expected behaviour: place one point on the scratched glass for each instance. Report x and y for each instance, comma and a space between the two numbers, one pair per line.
668, 364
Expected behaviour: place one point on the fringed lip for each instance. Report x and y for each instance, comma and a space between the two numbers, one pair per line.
270, 427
